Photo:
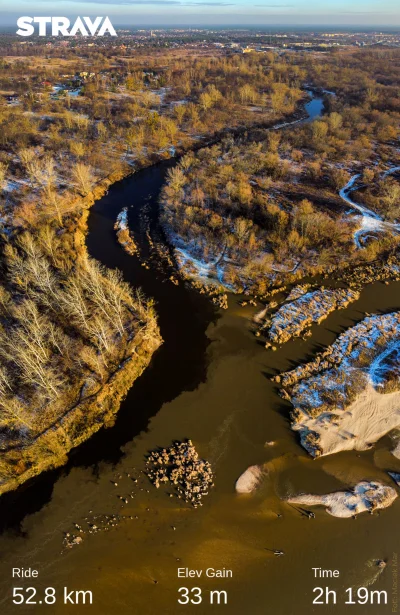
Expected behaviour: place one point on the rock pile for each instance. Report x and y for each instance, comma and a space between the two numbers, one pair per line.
181, 466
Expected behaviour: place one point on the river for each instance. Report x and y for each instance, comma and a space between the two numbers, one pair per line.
210, 381
371, 223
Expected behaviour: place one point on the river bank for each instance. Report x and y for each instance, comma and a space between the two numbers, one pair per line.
94, 404
49, 450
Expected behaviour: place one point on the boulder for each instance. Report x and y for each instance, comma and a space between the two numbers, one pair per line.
250, 480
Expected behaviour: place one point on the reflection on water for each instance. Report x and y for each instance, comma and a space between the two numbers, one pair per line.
314, 108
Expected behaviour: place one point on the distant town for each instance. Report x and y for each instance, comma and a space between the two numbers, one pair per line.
234, 40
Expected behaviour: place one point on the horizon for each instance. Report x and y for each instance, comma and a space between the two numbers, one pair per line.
267, 28
216, 13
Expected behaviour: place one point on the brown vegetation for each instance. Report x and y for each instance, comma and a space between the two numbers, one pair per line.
67, 325
266, 209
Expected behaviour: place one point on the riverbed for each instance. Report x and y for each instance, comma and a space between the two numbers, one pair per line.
210, 381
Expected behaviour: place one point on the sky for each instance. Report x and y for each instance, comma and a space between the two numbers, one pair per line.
213, 12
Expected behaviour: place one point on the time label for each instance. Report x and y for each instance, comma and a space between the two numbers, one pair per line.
362, 595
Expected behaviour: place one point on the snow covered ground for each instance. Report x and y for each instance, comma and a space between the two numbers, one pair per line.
295, 316
11, 186
122, 220
204, 272
370, 222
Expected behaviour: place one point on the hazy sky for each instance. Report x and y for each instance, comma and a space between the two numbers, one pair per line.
209, 12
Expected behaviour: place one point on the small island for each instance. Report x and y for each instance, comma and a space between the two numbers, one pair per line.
302, 309
124, 235
366, 496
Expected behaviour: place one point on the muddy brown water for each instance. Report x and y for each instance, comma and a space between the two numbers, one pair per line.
210, 381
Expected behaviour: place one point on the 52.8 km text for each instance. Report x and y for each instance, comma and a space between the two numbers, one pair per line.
29, 595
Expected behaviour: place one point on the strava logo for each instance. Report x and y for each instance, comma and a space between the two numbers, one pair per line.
61, 26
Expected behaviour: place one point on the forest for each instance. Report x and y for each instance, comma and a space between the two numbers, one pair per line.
265, 209
54, 144
67, 325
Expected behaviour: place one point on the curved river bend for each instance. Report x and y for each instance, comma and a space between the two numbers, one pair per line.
210, 381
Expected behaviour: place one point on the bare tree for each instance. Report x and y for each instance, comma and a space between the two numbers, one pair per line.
12, 414
3, 173
49, 172
35, 172
26, 155
83, 177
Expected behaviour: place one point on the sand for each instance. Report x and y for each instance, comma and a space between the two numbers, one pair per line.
364, 422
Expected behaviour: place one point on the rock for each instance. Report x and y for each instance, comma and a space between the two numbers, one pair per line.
249, 480
366, 496
77, 540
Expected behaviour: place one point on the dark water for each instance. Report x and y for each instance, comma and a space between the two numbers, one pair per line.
209, 382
